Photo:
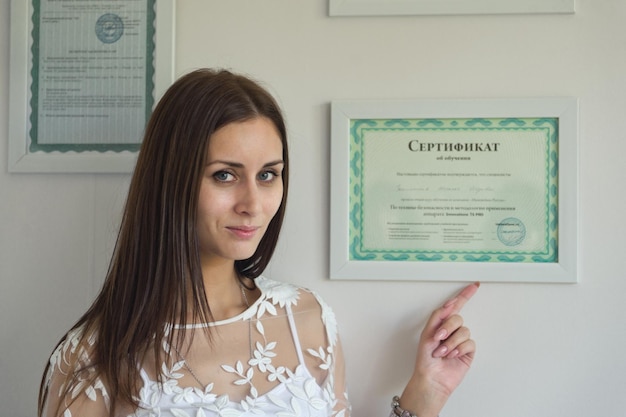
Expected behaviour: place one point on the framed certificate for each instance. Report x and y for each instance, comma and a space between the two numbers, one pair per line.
442, 7
84, 79
454, 190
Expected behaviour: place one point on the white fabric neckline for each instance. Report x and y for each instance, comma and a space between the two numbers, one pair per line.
239, 317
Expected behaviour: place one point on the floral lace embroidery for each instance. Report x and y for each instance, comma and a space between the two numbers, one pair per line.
297, 394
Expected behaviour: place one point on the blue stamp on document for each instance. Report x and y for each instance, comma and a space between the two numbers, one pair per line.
511, 231
109, 28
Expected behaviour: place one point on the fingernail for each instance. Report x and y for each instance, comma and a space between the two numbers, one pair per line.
441, 334
440, 351
453, 354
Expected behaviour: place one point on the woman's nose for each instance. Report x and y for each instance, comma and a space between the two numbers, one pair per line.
249, 199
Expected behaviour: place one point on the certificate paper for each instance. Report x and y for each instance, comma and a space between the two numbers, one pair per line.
92, 74
454, 190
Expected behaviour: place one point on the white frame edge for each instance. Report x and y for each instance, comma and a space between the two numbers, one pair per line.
449, 7
20, 160
563, 271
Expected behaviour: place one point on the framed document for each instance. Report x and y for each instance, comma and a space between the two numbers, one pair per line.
454, 190
442, 7
84, 79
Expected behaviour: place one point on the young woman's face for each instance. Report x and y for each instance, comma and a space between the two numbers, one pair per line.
241, 189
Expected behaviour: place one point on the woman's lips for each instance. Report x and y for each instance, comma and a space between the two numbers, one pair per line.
243, 232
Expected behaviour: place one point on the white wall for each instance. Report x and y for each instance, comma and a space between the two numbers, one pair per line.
544, 350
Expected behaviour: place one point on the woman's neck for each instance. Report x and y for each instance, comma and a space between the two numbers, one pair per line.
223, 290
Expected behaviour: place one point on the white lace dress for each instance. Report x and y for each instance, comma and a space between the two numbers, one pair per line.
281, 357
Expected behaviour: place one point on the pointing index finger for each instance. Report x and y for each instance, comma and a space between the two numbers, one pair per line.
464, 296
450, 308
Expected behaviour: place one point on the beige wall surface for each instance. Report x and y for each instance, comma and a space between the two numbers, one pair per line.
544, 350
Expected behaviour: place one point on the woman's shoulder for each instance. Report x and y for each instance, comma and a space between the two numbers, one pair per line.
71, 382
76, 347
300, 300
283, 293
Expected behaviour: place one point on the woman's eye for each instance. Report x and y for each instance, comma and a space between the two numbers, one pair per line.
223, 176
267, 176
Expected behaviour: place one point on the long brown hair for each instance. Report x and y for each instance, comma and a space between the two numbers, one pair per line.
154, 277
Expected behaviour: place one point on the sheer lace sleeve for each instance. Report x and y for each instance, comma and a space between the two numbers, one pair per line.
70, 383
323, 355
342, 405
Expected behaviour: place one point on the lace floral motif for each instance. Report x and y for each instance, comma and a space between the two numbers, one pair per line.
295, 392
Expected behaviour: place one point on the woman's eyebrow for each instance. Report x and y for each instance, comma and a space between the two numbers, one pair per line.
277, 162
240, 165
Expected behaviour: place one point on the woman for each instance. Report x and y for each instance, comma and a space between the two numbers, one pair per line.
185, 325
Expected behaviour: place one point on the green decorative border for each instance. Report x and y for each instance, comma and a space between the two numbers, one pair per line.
34, 102
548, 126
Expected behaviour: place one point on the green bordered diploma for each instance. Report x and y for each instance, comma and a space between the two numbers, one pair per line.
92, 74
454, 190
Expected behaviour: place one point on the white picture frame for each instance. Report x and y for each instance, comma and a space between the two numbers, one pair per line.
447, 7
20, 158
344, 265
